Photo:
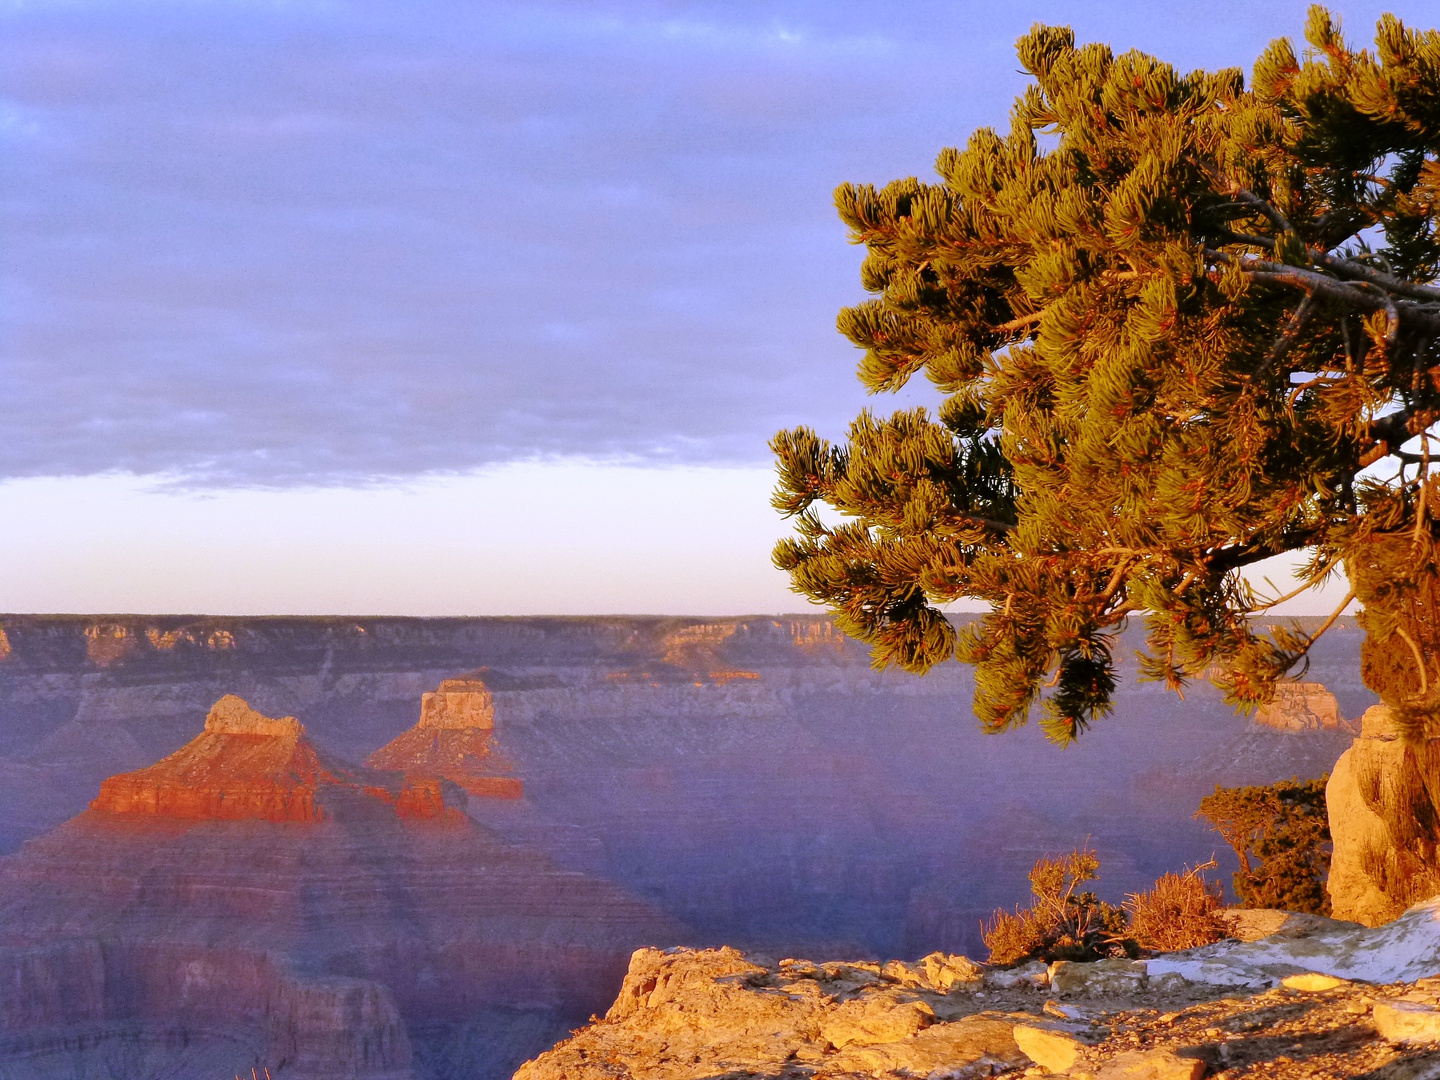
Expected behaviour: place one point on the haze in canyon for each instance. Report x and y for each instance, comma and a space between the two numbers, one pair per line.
662, 781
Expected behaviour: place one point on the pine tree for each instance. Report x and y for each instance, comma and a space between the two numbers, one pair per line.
1180, 325
1285, 829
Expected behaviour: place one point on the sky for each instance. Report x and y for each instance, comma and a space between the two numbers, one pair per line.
460, 308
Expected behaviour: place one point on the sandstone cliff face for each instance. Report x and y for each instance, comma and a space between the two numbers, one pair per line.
309, 911
459, 704
1385, 823
244, 765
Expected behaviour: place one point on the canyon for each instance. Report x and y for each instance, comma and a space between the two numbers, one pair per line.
745, 782
302, 915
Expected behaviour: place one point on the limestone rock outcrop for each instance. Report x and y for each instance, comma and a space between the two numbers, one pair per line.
1383, 799
1301, 706
455, 741
1226, 1009
307, 913
686, 1013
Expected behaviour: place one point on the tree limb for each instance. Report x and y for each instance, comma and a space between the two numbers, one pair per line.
1352, 294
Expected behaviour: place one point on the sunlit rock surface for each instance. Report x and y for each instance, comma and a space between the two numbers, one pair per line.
1301, 706
1316, 1000
243, 765
1384, 821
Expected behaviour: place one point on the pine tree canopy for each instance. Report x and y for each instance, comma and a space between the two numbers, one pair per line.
1180, 324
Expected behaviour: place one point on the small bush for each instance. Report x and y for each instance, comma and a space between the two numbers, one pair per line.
1013, 937
1178, 913
1061, 924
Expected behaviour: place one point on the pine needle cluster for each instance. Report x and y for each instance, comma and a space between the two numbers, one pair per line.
1181, 323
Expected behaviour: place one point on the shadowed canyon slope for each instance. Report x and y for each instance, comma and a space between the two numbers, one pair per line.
753, 777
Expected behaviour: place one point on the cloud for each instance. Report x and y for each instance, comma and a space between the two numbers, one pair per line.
271, 244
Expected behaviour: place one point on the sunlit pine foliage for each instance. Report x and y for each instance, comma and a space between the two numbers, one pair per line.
1180, 323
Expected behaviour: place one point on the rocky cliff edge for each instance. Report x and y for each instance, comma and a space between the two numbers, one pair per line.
1315, 998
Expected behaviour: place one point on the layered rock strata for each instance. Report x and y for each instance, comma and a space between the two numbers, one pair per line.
246, 765
1383, 800
243, 765
252, 1010
756, 776
311, 911
454, 741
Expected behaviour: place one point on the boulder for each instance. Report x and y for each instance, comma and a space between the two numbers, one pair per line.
1055, 1050
1407, 1022
938, 971
1252, 924
1034, 973
1312, 982
1383, 799
874, 1019
1101, 978
973, 1047
1152, 1065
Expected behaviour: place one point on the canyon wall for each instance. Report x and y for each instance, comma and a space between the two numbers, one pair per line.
252, 891
754, 777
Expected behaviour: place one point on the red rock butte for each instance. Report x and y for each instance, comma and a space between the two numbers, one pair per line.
246, 765
312, 916
455, 741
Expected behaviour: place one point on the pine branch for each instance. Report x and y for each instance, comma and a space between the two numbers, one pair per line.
1353, 294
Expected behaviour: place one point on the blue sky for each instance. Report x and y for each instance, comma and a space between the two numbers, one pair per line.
325, 271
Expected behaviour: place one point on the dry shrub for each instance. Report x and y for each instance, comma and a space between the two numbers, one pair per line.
1013, 937
1178, 913
1061, 924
